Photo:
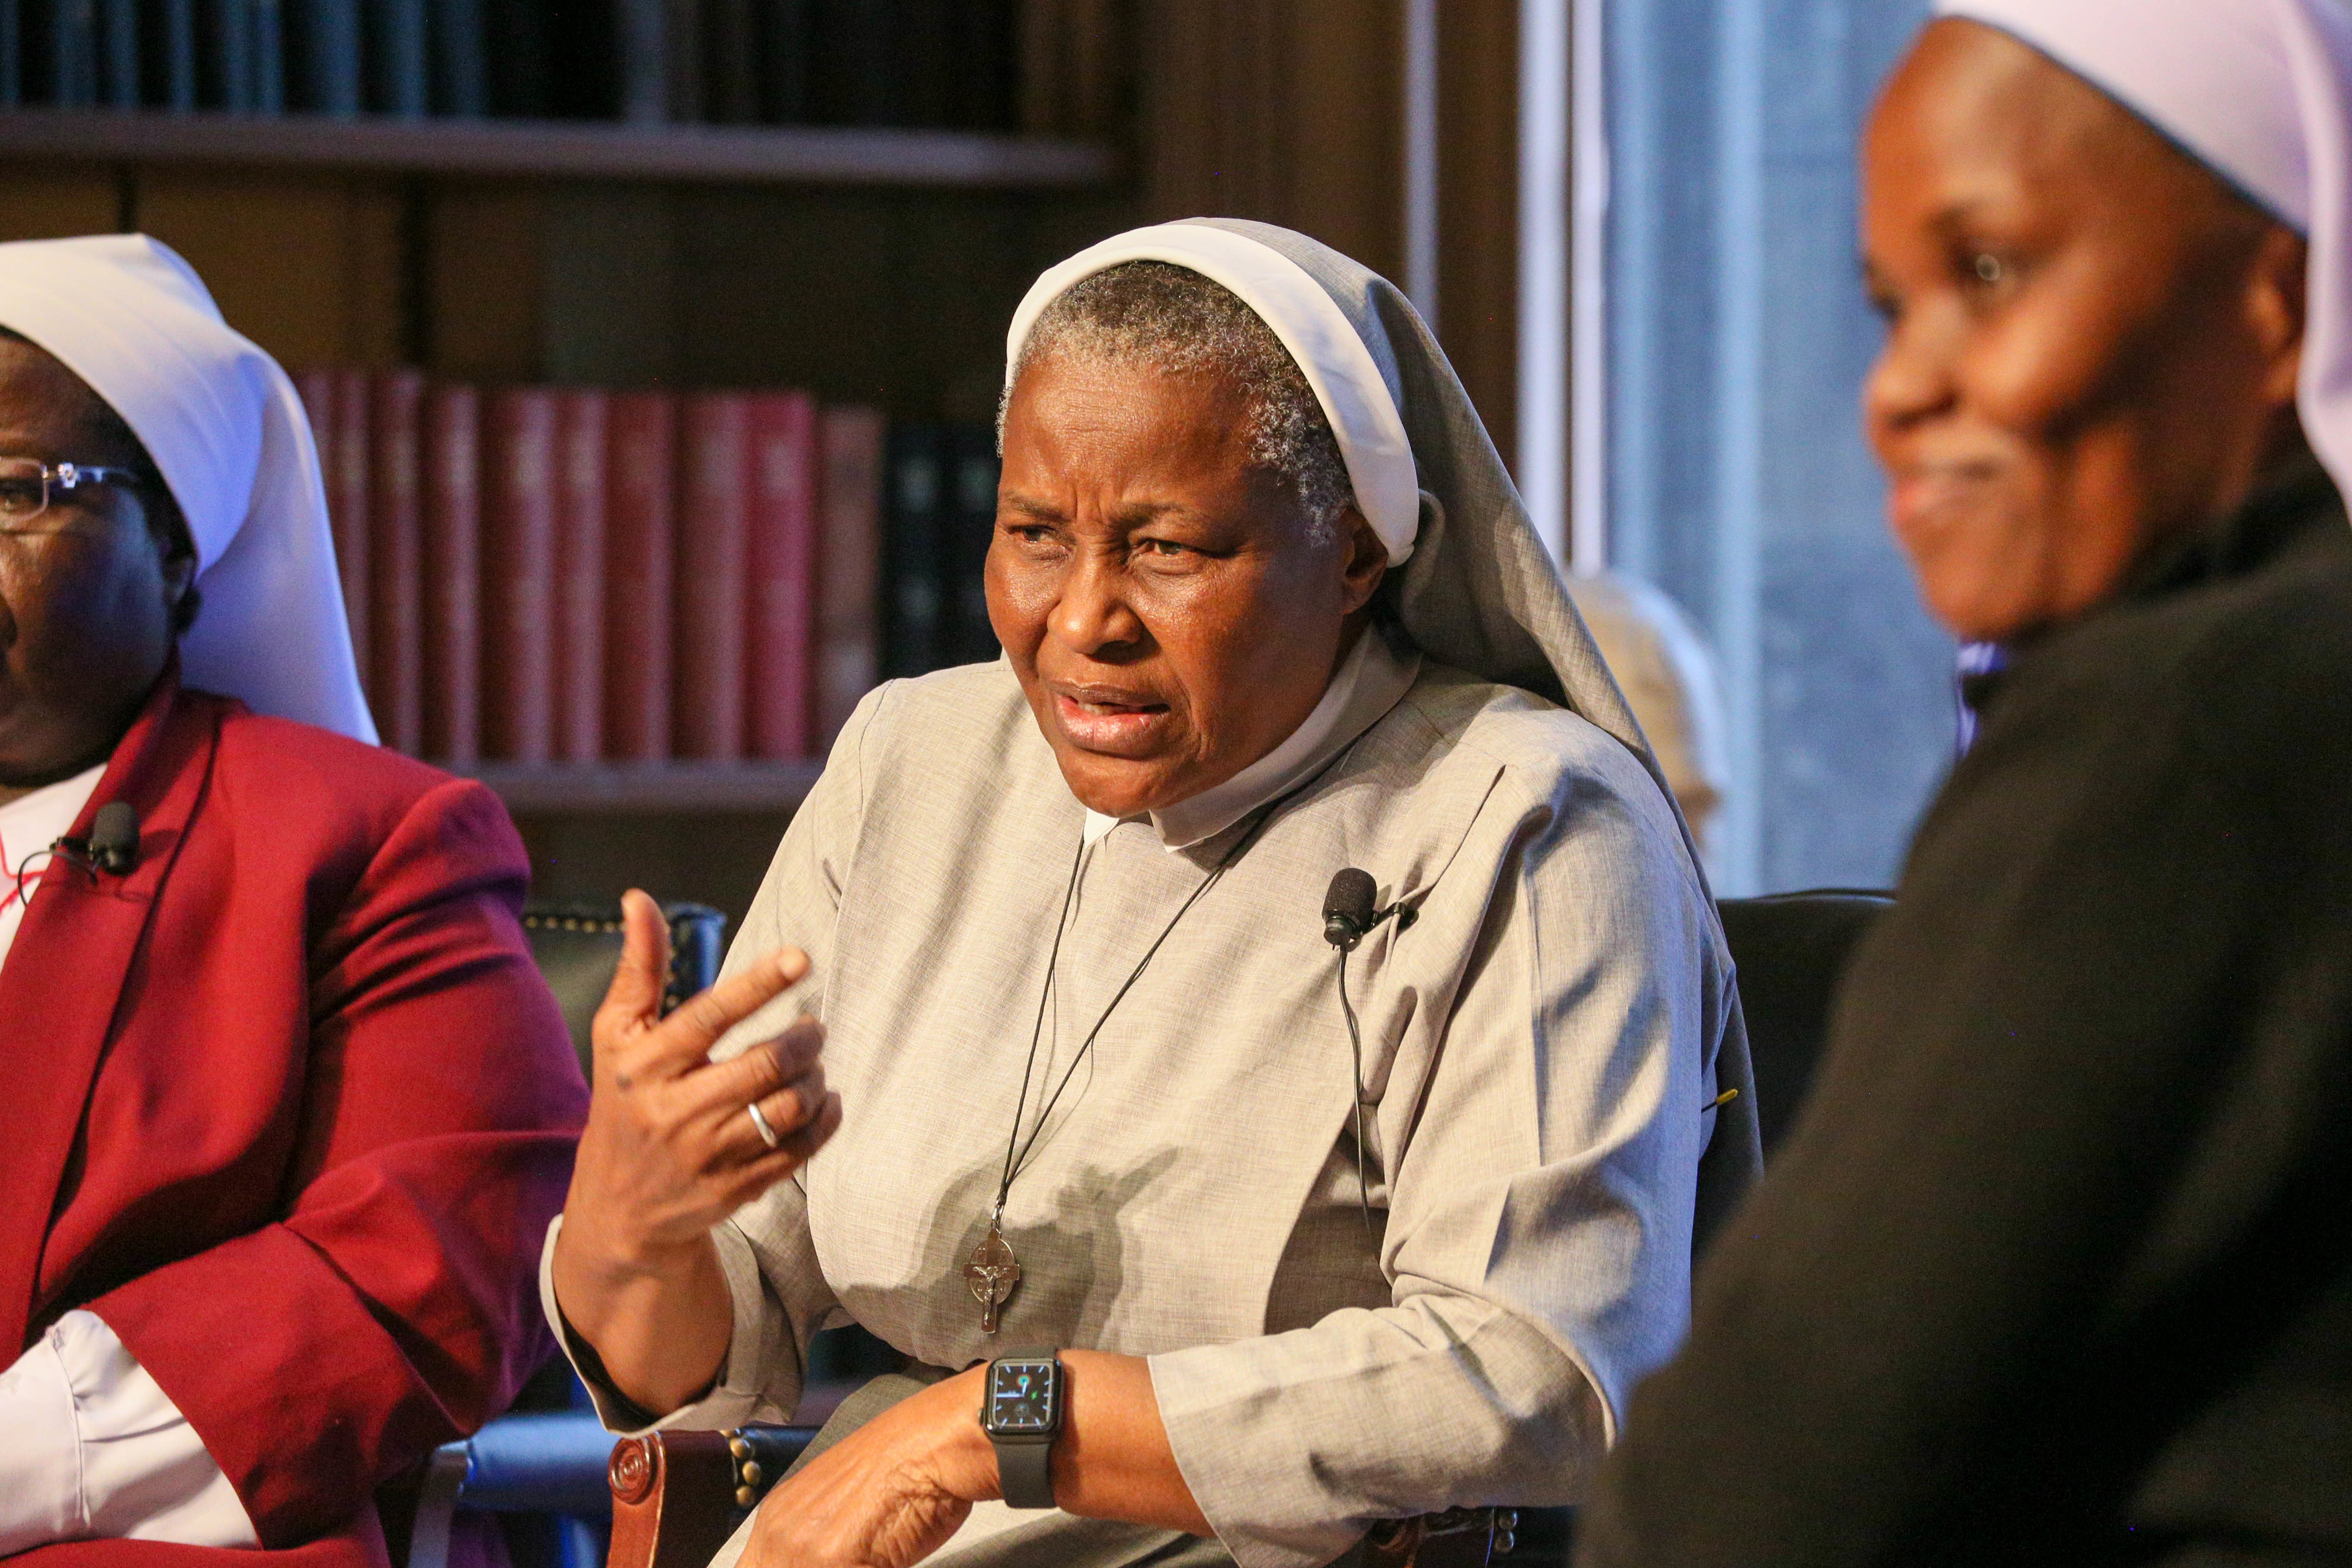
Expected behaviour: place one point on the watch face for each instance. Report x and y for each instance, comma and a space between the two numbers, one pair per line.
1021, 1396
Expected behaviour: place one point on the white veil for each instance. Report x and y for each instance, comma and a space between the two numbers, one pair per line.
226, 429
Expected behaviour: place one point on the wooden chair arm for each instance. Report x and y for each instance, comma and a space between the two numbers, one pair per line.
677, 1496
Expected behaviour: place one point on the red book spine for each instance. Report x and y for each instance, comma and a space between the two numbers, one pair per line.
347, 506
396, 527
317, 388
451, 561
707, 680
781, 562
519, 575
580, 524
641, 471
849, 543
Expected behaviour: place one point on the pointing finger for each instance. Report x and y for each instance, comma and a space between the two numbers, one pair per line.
634, 998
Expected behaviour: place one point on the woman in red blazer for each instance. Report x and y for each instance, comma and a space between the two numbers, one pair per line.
287, 1107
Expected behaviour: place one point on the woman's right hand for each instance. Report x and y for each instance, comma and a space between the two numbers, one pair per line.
670, 1150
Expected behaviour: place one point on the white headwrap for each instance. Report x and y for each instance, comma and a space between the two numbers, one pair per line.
2261, 90
226, 429
1356, 398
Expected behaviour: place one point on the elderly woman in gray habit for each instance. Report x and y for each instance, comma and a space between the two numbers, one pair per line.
1211, 1239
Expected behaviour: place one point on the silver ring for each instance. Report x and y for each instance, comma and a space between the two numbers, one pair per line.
767, 1133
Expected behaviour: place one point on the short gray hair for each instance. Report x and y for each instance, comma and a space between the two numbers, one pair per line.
1173, 320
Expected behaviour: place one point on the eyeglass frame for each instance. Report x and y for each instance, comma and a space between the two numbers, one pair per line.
63, 477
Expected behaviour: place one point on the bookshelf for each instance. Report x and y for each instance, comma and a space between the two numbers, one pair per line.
560, 150
638, 789
875, 267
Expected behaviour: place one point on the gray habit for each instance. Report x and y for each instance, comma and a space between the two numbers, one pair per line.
1541, 1049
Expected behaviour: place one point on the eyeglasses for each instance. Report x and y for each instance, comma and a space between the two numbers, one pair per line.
29, 486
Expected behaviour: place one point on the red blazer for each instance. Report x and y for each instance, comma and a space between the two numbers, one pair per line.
290, 1107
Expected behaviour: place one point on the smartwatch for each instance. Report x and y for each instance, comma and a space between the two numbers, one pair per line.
1021, 1411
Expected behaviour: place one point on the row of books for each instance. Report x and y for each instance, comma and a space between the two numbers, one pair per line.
540, 575
1038, 65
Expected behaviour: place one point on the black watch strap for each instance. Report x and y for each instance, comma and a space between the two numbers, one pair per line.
1025, 1472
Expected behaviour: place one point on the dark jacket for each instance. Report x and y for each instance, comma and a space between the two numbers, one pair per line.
2057, 1265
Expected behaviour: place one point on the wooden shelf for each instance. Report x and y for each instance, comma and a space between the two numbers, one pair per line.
646, 788
823, 155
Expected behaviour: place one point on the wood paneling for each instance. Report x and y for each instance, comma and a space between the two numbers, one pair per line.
309, 267
484, 282
1478, 204
1292, 111
1285, 111
55, 203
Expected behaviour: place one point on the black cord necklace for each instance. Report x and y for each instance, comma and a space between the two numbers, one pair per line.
993, 1271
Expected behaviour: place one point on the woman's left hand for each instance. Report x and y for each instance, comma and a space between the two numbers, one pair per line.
886, 1496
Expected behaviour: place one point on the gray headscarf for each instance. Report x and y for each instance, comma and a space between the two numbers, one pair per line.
1473, 585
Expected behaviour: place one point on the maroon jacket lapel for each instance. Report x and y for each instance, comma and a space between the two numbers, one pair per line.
62, 979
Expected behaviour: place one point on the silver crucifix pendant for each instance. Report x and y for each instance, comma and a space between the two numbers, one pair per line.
992, 1273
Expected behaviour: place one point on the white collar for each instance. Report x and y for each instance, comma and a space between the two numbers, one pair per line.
1370, 681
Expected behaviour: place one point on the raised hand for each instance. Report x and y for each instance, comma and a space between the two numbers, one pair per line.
671, 1149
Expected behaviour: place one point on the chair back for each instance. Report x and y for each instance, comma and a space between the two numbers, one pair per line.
577, 946
1790, 950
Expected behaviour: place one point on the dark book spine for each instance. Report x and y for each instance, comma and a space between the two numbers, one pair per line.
581, 424
782, 572
923, 60
643, 39
973, 469
858, 76
849, 543
584, 43
731, 74
452, 576
519, 575
986, 82
349, 489
640, 529
394, 53
225, 55
167, 54
267, 26
913, 611
460, 85
708, 668
69, 59
784, 52
12, 54
117, 53
682, 58
324, 44
519, 57
395, 540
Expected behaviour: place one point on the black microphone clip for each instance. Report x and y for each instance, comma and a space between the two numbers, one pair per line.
114, 837
112, 846
1349, 911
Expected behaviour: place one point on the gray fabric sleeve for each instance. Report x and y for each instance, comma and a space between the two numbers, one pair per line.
1538, 1235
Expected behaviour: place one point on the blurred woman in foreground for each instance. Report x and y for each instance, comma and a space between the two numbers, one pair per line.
2058, 1265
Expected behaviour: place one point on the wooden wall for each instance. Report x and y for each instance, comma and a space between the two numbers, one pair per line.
1288, 110
1291, 111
